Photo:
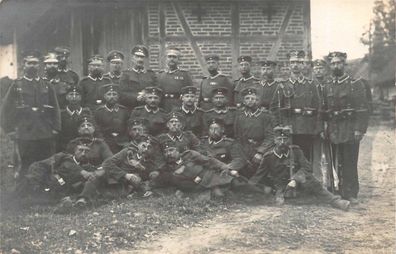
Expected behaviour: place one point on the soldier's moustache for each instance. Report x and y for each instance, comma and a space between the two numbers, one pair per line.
51, 71
31, 71
338, 72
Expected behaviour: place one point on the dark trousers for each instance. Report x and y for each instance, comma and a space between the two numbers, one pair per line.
347, 155
313, 186
305, 142
34, 150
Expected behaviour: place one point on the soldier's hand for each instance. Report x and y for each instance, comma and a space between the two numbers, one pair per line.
54, 132
292, 184
257, 158
322, 135
180, 170
234, 173
136, 164
358, 135
133, 178
141, 96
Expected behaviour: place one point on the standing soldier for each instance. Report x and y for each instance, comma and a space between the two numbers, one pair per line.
191, 112
298, 102
111, 118
348, 115
72, 116
30, 114
172, 80
66, 75
307, 69
116, 62
268, 83
151, 111
90, 85
247, 80
135, 80
220, 110
51, 75
253, 129
213, 81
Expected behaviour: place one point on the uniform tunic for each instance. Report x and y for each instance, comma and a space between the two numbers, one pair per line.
91, 94
193, 119
156, 119
112, 123
132, 82
208, 84
99, 151
171, 83
31, 108
185, 141
268, 91
242, 83
227, 115
114, 78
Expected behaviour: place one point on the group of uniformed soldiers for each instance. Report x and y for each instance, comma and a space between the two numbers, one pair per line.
136, 130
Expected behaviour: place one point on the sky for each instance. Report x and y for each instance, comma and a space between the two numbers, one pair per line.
337, 25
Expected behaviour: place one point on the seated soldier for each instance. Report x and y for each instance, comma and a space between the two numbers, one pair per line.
285, 168
192, 171
71, 118
184, 140
189, 109
99, 150
253, 129
136, 127
133, 168
220, 110
151, 111
65, 174
222, 148
111, 118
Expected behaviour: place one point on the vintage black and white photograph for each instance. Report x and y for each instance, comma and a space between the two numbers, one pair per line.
197, 126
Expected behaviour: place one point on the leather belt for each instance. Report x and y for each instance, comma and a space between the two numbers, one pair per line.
206, 99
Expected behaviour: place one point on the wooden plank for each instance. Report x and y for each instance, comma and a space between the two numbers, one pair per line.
307, 27
76, 44
189, 34
162, 35
227, 39
275, 47
235, 42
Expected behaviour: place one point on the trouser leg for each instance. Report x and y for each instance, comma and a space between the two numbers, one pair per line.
34, 150
312, 185
305, 142
348, 158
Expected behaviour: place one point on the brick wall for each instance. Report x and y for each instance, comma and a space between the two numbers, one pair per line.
213, 35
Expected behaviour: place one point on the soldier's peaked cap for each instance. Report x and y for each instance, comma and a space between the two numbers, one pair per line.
219, 91
218, 121
248, 90
296, 54
172, 50
153, 90
74, 89
115, 55
177, 116
189, 90
268, 62
319, 62
212, 57
244, 59
110, 87
96, 59
282, 131
32, 55
50, 57
140, 50
62, 50
338, 54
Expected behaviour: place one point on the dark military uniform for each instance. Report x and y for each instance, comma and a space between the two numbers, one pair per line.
300, 108
185, 141
132, 82
347, 111
31, 108
242, 83
156, 119
227, 115
115, 79
63, 81
99, 150
226, 150
268, 91
71, 120
112, 123
5, 83
91, 94
171, 83
208, 84
193, 119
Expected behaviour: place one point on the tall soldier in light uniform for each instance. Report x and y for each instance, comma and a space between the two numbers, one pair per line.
116, 62
214, 81
348, 105
90, 85
221, 111
173, 79
30, 113
111, 118
298, 102
253, 129
191, 112
268, 83
246, 80
136, 79
65, 74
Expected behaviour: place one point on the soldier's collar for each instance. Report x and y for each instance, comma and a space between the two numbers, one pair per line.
215, 142
179, 161
256, 113
215, 76
70, 112
341, 79
246, 79
221, 111
74, 159
172, 71
174, 138
188, 111
298, 80
95, 79
142, 70
63, 70
115, 108
266, 83
151, 110
281, 155
31, 79
139, 156
111, 75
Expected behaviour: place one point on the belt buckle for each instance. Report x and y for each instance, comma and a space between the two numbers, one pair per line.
252, 141
171, 95
206, 99
98, 101
297, 110
35, 109
114, 134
